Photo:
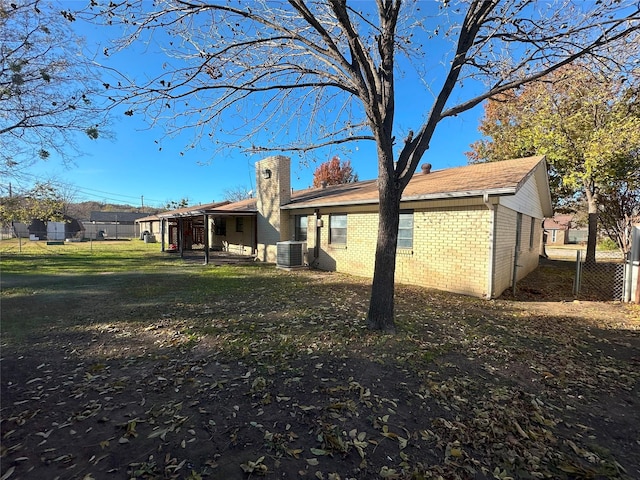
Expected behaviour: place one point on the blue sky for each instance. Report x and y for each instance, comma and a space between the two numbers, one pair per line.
131, 166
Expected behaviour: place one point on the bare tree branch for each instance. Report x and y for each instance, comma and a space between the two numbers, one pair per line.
48, 90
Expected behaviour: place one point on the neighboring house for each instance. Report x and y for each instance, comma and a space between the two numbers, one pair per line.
561, 230
556, 229
113, 225
150, 224
472, 230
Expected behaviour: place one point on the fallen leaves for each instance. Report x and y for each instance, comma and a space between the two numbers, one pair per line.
255, 467
274, 384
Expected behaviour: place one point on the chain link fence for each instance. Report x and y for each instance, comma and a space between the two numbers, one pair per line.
106, 248
602, 280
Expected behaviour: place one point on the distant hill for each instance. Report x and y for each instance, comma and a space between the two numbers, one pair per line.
82, 210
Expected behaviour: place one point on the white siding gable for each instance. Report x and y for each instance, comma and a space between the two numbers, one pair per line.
528, 199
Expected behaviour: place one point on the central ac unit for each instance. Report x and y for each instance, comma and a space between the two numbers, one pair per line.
290, 254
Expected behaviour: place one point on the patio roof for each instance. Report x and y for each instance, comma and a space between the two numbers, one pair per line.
191, 211
243, 208
246, 207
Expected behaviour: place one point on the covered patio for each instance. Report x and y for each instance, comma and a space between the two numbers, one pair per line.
226, 231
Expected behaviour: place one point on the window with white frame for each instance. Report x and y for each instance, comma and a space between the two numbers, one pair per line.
301, 222
338, 229
405, 230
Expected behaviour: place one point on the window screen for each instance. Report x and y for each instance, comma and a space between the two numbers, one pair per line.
338, 228
405, 230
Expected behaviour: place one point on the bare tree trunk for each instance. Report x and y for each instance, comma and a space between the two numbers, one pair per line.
592, 236
592, 232
381, 306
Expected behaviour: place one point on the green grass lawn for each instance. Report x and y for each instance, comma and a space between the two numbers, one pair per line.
119, 361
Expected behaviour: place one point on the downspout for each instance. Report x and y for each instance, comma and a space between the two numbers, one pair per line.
255, 238
316, 247
492, 243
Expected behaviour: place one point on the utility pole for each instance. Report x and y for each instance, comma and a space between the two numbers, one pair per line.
13, 228
142, 203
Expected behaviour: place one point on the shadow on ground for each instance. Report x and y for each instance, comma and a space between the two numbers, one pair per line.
238, 372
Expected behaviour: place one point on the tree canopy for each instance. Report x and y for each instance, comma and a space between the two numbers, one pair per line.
175, 204
334, 172
47, 86
42, 202
301, 75
587, 124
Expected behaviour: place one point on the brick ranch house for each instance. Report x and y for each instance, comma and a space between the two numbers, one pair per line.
472, 230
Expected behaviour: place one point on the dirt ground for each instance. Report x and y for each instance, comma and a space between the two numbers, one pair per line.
277, 377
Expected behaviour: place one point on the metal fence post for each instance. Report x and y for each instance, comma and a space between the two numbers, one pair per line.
577, 280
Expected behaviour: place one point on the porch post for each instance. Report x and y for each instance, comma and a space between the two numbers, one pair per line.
162, 232
181, 236
255, 236
206, 239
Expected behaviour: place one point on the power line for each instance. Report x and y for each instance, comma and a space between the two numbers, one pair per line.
89, 192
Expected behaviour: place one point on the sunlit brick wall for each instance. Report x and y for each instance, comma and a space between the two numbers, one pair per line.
450, 248
357, 255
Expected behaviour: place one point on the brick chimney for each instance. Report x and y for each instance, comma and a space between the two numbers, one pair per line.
273, 186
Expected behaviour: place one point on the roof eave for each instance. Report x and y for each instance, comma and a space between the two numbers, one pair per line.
464, 194
429, 196
295, 206
182, 214
193, 213
237, 213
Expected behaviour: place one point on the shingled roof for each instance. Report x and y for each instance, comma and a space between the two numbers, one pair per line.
192, 210
248, 205
496, 178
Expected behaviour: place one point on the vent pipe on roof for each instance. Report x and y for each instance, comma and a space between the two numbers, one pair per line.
323, 184
426, 168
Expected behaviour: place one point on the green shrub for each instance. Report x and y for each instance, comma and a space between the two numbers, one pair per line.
607, 244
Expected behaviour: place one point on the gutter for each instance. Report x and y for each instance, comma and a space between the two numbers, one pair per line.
492, 243
375, 201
